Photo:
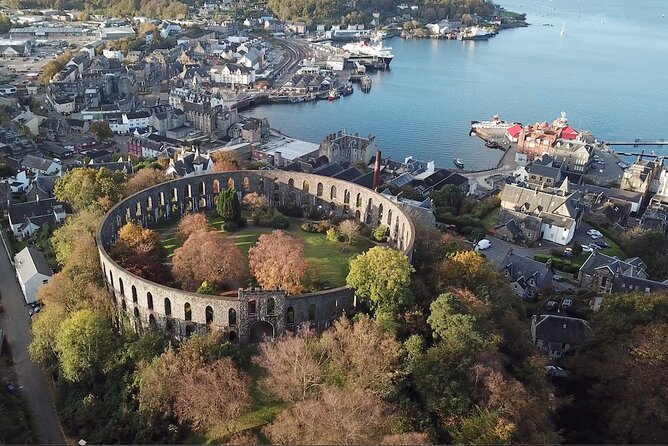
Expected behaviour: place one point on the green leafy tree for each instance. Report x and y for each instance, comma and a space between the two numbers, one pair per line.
206, 288
44, 328
101, 130
228, 206
90, 188
379, 233
66, 236
449, 198
84, 342
381, 276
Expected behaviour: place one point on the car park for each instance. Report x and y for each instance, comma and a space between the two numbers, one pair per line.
602, 244
587, 248
593, 233
551, 305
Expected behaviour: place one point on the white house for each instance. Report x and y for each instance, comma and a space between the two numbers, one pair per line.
113, 54
28, 217
32, 271
232, 74
19, 183
41, 165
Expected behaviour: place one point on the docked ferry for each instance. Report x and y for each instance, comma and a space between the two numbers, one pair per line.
365, 49
495, 123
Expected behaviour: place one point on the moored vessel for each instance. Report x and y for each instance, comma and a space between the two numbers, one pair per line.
458, 162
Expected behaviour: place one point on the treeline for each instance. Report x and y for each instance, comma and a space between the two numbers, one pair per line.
165, 9
339, 11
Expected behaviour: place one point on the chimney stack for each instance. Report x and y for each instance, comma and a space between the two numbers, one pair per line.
376, 171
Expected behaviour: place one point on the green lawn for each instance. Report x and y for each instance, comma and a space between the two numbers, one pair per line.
491, 219
328, 260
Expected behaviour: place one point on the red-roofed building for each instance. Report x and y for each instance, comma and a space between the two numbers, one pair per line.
513, 132
569, 133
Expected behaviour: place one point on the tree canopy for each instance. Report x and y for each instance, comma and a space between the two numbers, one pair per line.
90, 188
277, 261
228, 206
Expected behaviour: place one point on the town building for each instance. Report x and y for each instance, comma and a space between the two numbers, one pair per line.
556, 335
27, 218
341, 147
606, 274
643, 176
32, 271
527, 277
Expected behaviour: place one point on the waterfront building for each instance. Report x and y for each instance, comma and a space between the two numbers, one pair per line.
341, 147
642, 176
572, 155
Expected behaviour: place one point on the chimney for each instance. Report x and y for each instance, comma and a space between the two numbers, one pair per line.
376, 171
278, 159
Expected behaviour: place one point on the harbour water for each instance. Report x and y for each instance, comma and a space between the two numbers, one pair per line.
609, 72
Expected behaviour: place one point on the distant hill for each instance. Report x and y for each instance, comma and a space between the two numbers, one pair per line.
166, 9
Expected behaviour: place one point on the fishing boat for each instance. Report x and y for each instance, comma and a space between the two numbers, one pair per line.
347, 90
458, 162
333, 94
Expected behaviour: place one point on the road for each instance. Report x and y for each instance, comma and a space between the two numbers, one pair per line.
32, 382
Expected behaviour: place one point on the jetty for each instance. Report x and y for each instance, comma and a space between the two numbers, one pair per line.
637, 142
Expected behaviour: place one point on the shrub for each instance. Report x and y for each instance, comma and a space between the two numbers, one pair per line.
577, 249
307, 227
280, 222
323, 227
291, 211
332, 235
314, 213
379, 233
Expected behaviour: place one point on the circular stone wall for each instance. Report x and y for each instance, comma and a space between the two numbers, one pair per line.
182, 312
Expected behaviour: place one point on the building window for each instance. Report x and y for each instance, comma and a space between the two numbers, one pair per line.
252, 307
271, 305
187, 309
232, 317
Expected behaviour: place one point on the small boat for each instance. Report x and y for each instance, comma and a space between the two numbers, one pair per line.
563, 28
333, 94
458, 162
347, 90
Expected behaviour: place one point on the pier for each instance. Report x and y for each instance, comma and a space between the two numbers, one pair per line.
637, 142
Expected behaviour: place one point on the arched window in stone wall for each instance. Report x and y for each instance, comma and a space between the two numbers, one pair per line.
358, 217
246, 184
188, 311
168, 325
134, 294
230, 183
389, 218
271, 306
260, 188
189, 191
136, 312
161, 197
319, 190
149, 203
168, 307
232, 317
202, 188
252, 307
380, 213
120, 286
346, 196
216, 186
290, 316
149, 300
291, 183
332, 192
305, 186
358, 200
111, 279
209, 314
175, 195
151, 321
123, 305
312, 312
138, 209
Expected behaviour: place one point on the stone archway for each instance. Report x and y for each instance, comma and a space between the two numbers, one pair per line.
261, 329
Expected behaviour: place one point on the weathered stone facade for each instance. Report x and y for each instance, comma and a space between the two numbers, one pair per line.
251, 313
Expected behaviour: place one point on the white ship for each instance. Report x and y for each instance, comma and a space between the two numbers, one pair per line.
495, 123
364, 49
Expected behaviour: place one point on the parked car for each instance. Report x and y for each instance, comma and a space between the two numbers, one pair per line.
551, 305
483, 244
556, 371
566, 304
557, 278
568, 252
34, 310
593, 233
590, 247
601, 244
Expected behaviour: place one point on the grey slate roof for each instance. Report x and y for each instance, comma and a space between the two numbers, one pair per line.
524, 268
569, 330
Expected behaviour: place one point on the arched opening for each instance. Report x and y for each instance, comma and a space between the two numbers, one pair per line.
230, 183
175, 195
168, 307
305, 187
188, 311
290, 316
209, 314
111, 278
261, 187
319, 190
246, 184
216, 186
389, 217
233, 336
332, 309
134, 294
232, 317
136, 312
149, 301
260, 331
188, 191
357, 215
124, 305
291, 183
151, 321
346, 196
149, 203
312, 312
189, 330
332, 192
202, 188
120, 285
168, 325
271, 305
162, 198
380, 213
358, 200
252, 307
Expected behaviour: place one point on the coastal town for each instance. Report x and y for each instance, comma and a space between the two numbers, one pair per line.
201, 249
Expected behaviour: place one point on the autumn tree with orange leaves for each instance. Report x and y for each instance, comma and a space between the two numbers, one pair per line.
144, 179
210, 256
277, 261
190, 224
224, 162
140, 251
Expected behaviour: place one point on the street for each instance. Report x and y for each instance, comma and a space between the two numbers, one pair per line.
32, 382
